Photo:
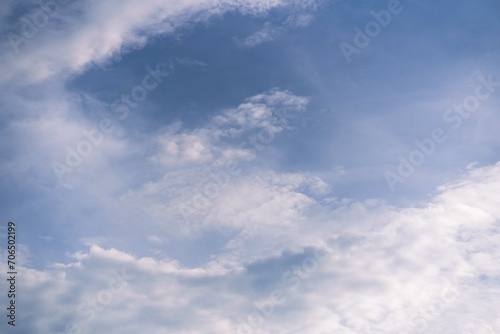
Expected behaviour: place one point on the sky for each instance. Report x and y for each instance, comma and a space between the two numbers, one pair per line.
252, 166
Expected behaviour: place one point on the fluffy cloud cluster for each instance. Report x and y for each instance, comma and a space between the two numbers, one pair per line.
428, 269
291, 257
234, 133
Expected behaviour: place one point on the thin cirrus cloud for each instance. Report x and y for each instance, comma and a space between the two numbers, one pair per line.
271, 32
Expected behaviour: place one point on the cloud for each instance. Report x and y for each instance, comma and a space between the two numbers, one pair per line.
223, 138
420, 269
193, 230
267, 34
299, 20
300, 17
72, 36
271, 32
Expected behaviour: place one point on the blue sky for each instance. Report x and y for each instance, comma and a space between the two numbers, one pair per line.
214, 149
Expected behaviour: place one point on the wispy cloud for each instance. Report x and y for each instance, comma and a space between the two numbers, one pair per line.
266, 34
93, 32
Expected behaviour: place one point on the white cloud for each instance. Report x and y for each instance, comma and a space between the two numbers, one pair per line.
184, 148
433, 268
263, 115
85, 31
435, 265
271, 32
267, 34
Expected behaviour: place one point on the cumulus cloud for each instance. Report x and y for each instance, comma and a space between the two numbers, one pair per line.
431, 269
202, 167
222, 139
